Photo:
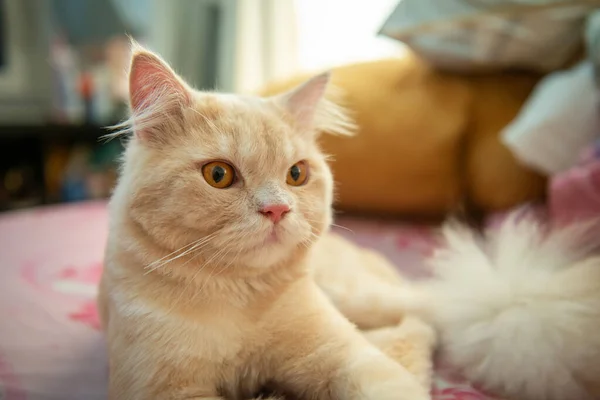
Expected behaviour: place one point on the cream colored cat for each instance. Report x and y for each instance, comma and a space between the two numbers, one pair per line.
208, 290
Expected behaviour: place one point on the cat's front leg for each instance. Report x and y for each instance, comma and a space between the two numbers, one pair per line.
362, 284
366, 374
318, 354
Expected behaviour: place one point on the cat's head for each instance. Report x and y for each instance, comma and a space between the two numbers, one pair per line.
241, 176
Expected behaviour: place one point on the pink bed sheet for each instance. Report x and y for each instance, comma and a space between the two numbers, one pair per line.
51, 346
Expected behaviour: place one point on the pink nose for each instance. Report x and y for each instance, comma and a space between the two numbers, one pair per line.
275, 212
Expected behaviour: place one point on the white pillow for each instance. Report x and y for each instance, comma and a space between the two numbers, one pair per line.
540, 35
560, 118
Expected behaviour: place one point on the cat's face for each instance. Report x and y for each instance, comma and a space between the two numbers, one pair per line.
241, 177
230, 178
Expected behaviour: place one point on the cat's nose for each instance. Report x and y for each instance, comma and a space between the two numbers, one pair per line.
275, 212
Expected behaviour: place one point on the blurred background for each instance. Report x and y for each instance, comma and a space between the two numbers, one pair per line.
474, 107
458, 102
62, 65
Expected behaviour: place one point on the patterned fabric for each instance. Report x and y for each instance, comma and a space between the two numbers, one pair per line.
51, 258
575, 193
464, 34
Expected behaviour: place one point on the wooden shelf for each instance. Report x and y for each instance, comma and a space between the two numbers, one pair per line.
53, 131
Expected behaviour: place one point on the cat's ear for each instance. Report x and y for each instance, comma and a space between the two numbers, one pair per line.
312, 112
157, 95
302, 101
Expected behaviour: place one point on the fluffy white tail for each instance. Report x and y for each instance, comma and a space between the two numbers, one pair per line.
518, 310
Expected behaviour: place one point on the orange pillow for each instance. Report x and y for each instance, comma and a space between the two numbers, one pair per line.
494, 179
427, 141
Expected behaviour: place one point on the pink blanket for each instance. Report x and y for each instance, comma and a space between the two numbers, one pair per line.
50, 262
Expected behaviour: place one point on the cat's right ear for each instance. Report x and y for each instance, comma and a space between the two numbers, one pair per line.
157, 96
312, 112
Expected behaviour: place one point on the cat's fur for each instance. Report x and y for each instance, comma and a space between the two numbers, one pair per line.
202, 297
518, 310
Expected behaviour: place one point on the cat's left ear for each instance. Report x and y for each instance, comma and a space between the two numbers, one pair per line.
157, 95
312, 111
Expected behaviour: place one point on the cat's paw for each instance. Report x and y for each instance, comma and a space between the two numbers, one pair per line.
386, 379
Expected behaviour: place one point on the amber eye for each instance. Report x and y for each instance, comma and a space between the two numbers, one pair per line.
218, 174
297, 174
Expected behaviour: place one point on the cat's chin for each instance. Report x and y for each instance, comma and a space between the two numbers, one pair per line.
266, 257
276, 246
271, 252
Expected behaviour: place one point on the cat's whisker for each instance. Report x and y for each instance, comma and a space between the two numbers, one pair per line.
232, 262
206, 282
219, 272
332, 224
311, 239
343, 227
307, 243
220, 253
192, 244
193, 279
196, 249
315, 236
173, 252
193, 258
173, 259
223, 256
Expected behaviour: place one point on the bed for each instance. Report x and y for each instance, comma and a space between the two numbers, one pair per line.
51, 346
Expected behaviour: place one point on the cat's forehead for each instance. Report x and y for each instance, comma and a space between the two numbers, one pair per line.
246, 128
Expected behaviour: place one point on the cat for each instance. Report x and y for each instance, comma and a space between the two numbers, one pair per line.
208, 290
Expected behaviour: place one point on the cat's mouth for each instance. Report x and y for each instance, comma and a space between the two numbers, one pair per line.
282, 236
274, 236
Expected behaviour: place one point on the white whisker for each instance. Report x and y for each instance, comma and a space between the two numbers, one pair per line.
343, 227
197, 246
192, 280
219, 272
181, 248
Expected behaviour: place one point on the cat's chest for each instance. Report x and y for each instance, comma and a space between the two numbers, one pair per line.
219, 337
214, 335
